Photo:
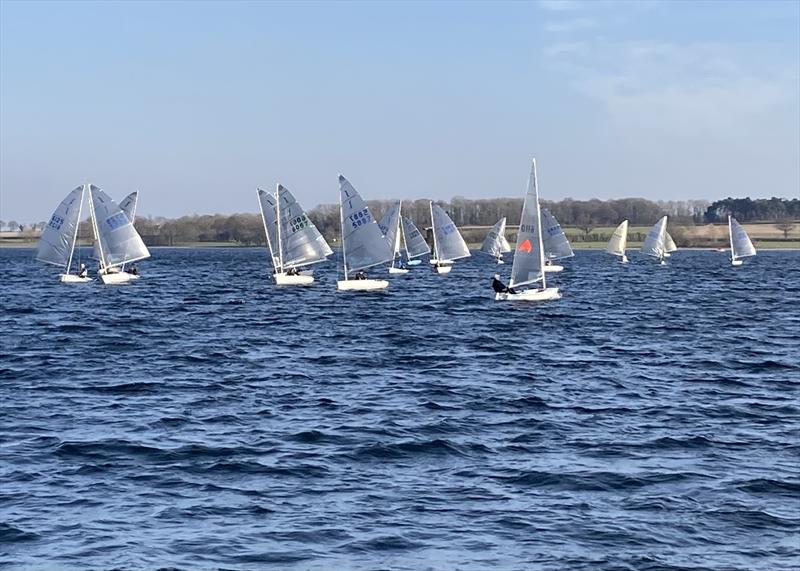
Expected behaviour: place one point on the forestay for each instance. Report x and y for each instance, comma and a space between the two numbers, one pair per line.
128, 205
529, 252
58, 237
495, 243
619, 239
362, 238
449, 244
390, 225
741, 246
118, 240
415, 243
555, 242
302, 243
654, 242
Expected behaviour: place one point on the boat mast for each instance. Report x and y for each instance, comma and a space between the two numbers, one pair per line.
539, 224
266, 230
278, 216
96, 231
341, 220
433, 231
77, 224
403, 234
396, 244
730, 236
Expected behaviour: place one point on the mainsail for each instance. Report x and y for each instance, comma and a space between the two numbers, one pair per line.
118, 241
363, 245
654, 242
415, 242
495, 243
555, 242
669, 243
128, 205
529, 252
269, 216
448, 242
58, 237
300, 241
619, 239
390, 226
741, 246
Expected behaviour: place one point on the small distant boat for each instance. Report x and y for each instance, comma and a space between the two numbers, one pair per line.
390, 226
448, 245
495, 243
619, 239
57, 243
669, 245
741, 246
363, 245
128, 206
528, 265
293, 240
556, 244
118, 242
654, 243
413, 242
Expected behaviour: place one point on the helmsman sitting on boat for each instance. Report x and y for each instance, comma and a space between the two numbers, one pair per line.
83, 272
500, 287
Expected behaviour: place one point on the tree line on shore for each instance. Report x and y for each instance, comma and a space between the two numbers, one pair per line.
585, 215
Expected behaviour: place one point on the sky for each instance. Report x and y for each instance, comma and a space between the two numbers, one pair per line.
198, 103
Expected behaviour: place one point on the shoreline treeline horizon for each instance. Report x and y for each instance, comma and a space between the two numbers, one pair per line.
584, 215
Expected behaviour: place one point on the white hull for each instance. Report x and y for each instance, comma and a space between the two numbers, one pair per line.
361, 285
413, 262
667, 254
442, 269
736, 262
546, 294
73, 279
394, 270
624, 259
499, 261
553, 268
117, 278
285, 279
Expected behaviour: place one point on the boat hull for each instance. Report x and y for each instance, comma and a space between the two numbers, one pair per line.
443, 269
414, 262
394, 270
118, 278
553, 268
73, 279
546, 294
736, 262
361, 285
297, 279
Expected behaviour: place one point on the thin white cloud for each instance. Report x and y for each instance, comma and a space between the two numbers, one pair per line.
566, 26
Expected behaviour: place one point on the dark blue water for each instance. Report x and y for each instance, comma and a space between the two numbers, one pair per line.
203, 418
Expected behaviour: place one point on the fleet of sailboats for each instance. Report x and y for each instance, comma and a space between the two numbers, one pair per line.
495, 243
295, 243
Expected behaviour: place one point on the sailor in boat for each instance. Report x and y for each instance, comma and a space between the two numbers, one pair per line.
360, 275
292, 272
133, 270
500, 287
83, 271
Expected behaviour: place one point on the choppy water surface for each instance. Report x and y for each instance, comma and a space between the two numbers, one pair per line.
203, 418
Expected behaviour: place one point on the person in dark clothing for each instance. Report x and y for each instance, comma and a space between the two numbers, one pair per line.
83, 271
500, 287
361, 276
133, 270
293, 272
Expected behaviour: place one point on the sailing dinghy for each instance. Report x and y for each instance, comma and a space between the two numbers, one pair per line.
495, 243
556, 245
448, 245
741, 246
292, 238
528, 265
655, 242
669, 245
413, 241
390, 226
57, 243
619, 239
363, 245
118, 242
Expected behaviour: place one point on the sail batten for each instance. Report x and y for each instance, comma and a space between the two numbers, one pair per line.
362, 239
450, 246
495, 243
118, 241
616, 245
556, 244
58, 237
741, 245
528, 265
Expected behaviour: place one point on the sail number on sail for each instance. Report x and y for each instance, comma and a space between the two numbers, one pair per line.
119, 219
298, 223
448, 229
360, 218
56, 222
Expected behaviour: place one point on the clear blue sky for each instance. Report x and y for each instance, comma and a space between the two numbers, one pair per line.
196, 104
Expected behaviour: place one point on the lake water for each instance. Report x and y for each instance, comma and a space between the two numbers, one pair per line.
203, 418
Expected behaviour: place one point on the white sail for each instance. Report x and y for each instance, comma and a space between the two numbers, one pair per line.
58, 237
741, 246
128, 205
363, 245
669, 243
654, 242
300, 242
528, 265
390, 226
415, 242
555, 242
447, 240
619, 239
495, 243
269, 216
118, 241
